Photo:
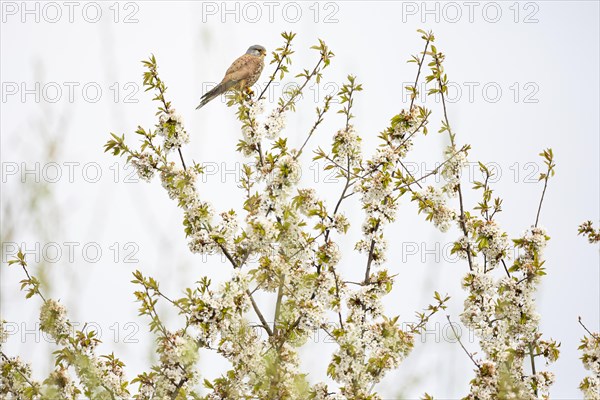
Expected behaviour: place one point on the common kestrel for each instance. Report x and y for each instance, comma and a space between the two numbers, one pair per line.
243, 73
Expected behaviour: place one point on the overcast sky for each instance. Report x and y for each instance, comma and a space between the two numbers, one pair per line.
524, 77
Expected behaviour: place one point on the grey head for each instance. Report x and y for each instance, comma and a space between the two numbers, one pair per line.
257, 50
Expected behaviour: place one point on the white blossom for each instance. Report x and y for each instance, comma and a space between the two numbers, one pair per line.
590, 385
170, 127
144, 166
307, 200
274, 124
433, 202
346, 147
62, 383
202, 243
452, 169
3, 332
13, 384
179, 183
493, 242
261, 234
340, 223
285, 174
329, 254
178, 354
53, 320
256, 108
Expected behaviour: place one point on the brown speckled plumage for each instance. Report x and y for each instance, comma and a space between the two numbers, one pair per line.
242, 74
245, 71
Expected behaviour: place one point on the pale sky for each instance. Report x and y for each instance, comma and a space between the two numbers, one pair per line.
524, 78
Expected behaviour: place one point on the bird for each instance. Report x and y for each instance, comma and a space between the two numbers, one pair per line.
241, 75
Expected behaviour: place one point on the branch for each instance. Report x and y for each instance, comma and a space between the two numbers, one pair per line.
160, 86
285, 53
152, 309
586, 329
411, 175
442, 89
263, 321
37, 290
434, 171
320, 114
549, 160
278, 303
397, 149
461, 344
370, 258
181, 157
532, 360
412, 100
9, 361
296, 93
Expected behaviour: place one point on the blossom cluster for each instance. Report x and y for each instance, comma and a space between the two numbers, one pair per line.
500, 310
98, 377
53, 320
454, 163
170, 127
178, 354
145, 166
492, 241
502, 313
369, 343
15, 376
346, 147
256, 129
284, 245
590, 347
434, 203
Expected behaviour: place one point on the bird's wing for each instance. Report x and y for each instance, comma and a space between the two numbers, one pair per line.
241, 68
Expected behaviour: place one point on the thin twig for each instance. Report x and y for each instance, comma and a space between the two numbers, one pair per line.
307, 79
228, 255
412, 100
320, 114
410, 174
459, 189
532, 360
162, 91
29, 277
371, 255
278, 304
8, 360
181, 157
396, 150
461, 344
537, 217
505, 268
260, 315
274, 75
337, 293
153, 309
586, 329
433, 172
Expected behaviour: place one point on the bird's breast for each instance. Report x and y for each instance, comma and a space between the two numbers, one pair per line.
257, 70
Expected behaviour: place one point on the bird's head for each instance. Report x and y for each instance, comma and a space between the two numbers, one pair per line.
257, 50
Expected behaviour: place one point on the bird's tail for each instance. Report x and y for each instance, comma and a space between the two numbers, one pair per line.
214, 92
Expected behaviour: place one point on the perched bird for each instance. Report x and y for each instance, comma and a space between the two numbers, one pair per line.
243, 73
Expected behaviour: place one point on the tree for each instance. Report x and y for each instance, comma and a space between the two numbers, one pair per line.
292, 234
